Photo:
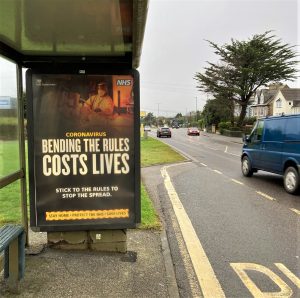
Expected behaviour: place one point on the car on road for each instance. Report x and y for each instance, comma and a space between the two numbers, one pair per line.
147, 128
193, 131
163, 132
274, 146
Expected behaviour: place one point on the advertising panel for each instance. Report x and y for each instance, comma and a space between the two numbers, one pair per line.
84, 163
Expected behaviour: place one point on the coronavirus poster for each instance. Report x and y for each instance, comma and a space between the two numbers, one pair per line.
83, 136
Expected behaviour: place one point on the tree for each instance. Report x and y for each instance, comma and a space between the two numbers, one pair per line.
245, 66
215, 111
149, 119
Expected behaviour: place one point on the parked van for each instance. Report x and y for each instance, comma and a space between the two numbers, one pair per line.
274, 146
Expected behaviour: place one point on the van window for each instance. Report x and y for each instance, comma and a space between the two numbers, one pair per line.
258, 132
292, 129
274, 130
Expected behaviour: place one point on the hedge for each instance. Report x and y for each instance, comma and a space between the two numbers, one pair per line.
8, 132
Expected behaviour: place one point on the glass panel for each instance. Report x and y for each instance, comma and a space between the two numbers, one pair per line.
260, 128
97, 28
292, 131
9, 144
10, 198
257, 132
274, 130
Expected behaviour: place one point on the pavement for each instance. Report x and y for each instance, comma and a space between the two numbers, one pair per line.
146, 270
237, 140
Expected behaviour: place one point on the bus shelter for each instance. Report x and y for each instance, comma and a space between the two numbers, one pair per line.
70, 50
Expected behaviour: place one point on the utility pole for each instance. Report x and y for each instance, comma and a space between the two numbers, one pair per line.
157, 113
196, 110
186, 117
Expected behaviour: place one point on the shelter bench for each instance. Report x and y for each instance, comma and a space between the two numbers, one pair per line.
12, 243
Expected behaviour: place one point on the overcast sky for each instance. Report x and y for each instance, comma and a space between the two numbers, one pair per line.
174, 47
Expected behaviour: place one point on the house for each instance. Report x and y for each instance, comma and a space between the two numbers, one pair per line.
277, 99
8, 106
238, 109
286, 101
8, 103
261, 104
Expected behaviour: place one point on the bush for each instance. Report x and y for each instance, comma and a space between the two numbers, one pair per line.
233, 133
223, 125
249, 121
234, 128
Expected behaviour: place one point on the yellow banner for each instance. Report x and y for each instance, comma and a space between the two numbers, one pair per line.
87, 214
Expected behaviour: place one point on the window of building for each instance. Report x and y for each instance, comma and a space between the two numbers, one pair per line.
279, 103
261, 111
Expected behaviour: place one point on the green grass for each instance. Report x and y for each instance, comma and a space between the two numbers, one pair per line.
10, 202
154, 152
8, 120
9, 157
150, 219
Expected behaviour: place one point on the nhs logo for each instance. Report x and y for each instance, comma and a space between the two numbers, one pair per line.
124, 82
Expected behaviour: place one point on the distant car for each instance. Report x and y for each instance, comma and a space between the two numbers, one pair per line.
164, 132
175, 126
193, 131
147, 128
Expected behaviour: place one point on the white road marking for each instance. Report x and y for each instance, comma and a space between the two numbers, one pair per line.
226, 149
212, 148
295, 210
218, 172
240, 269
233, 154
289, 274
238, 182
203, 164
266, 196
209, 284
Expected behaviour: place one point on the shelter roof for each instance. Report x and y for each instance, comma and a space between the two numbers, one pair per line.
95, 31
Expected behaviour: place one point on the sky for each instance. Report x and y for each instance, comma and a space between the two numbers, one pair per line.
175, 44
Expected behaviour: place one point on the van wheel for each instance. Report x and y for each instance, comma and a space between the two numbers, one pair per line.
291, 180
246, 167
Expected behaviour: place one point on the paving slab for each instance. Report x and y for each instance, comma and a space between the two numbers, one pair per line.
141, 272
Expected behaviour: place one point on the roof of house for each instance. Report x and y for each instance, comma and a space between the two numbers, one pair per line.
292, 94
268, 94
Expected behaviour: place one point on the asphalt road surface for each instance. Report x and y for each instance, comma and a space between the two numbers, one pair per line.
242, 234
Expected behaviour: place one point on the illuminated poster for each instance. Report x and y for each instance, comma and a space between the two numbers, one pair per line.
83, 151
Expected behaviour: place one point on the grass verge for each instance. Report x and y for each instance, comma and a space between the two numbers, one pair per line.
150, 219
154, 152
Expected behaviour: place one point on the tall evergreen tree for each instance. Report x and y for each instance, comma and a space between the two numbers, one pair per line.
245, 66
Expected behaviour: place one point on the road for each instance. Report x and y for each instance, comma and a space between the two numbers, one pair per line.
242, 234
